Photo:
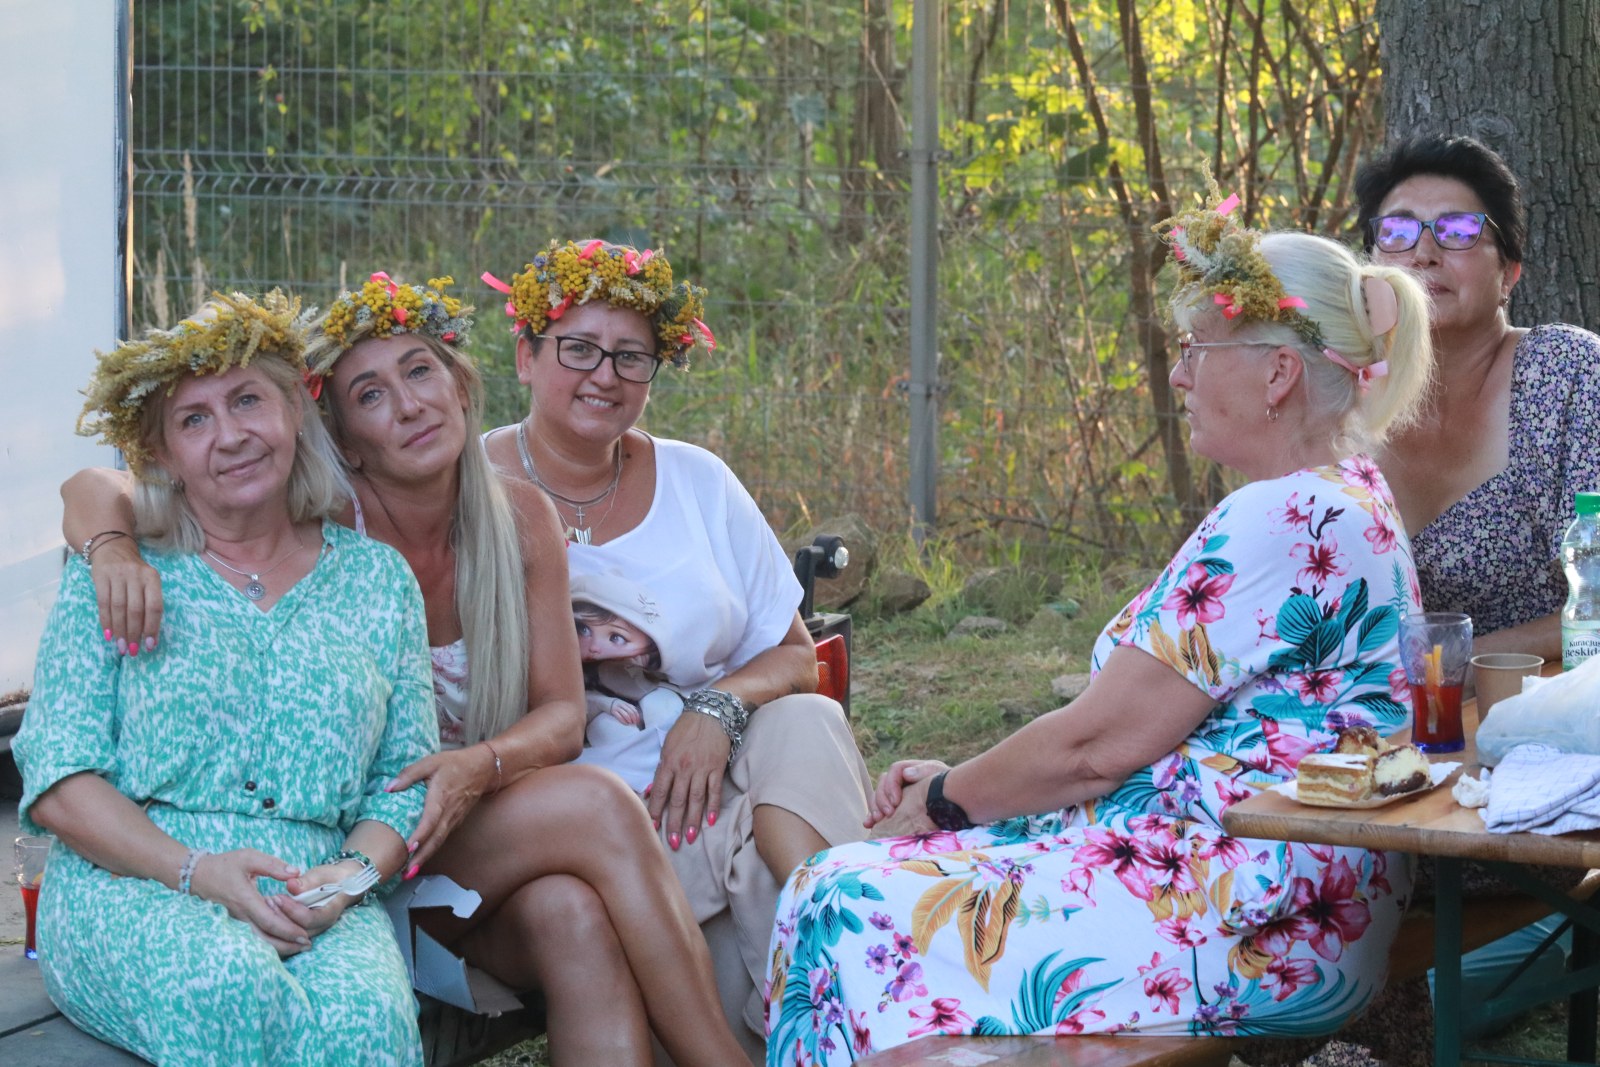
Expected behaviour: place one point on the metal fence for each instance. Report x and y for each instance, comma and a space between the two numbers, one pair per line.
306, 144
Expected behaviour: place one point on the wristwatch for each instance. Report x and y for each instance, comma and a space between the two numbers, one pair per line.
945, 813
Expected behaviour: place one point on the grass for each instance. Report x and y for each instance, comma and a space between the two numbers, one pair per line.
917, 692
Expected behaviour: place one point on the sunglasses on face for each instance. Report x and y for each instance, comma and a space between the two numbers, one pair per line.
1456, 231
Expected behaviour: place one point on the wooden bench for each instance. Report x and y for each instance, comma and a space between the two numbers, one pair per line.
1484, 919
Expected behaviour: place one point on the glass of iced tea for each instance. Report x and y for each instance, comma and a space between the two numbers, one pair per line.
31, 853
1435, 647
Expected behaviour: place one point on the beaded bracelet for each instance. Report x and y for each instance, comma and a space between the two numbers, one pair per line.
101, 538
186, 872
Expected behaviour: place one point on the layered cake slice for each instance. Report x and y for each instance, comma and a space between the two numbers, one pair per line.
1334, 779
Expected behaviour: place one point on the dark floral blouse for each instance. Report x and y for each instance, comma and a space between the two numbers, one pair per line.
1495, 553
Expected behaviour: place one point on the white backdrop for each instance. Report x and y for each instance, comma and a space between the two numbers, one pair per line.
58, 285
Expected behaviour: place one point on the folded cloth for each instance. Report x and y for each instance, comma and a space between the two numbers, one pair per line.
1543, 790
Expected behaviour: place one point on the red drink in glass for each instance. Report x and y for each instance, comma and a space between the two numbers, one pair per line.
1436, 726
30, 906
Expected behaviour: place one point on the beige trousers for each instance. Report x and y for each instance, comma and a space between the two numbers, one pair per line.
799, 755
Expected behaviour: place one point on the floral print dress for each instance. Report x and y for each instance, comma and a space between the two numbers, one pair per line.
275, 730
1136, 913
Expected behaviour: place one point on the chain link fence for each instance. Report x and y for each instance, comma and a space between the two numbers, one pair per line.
307, 144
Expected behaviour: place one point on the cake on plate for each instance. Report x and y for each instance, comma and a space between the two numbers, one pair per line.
1362, 767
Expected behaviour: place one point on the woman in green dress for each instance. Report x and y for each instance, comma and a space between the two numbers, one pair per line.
197, 787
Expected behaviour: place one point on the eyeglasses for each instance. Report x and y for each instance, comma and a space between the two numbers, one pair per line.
575, 353
1457, 231
1187, 346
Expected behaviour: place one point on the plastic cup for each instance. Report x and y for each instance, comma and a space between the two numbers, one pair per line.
1434, 649
31, 853
1499, 675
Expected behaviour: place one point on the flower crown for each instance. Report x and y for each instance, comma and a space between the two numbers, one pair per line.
568, 274
1217, 255
229, 332
381, 308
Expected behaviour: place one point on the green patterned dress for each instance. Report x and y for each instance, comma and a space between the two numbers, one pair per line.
272, 730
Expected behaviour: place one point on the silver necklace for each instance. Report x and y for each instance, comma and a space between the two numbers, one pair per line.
253, 588
577, 531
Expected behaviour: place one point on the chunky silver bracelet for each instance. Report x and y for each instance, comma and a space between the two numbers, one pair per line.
729, 710
186, 872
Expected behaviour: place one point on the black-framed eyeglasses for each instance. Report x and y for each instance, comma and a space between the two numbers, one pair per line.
1187, 346
1456, 231
574, 353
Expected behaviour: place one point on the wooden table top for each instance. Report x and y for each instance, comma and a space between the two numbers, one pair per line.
1428, 824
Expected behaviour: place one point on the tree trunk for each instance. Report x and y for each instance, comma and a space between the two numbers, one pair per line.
1520, 76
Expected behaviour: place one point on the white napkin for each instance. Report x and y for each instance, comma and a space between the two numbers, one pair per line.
1543, 790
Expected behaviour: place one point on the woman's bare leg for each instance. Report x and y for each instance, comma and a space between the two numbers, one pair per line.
554, 935
584, 822
784, 840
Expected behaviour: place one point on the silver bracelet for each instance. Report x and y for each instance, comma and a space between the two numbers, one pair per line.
729, 710
186, 872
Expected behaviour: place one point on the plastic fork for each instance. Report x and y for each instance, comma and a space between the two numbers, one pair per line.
353, 886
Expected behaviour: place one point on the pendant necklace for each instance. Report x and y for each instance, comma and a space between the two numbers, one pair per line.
576, 531
253, 588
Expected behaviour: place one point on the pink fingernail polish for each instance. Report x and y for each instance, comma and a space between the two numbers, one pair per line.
133, 649
647, 788
411, 872
149, 644
711, 819
672, 840
108, 633
688, 835
656, 823
411, 846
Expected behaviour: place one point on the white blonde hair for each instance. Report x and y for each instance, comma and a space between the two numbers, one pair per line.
490, 596
1330, 279
318, 487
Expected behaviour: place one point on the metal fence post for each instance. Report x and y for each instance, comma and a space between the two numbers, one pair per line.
924, 276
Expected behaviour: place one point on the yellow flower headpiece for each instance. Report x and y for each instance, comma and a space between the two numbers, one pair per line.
381, 308
1215, 254
568, 274
231, 331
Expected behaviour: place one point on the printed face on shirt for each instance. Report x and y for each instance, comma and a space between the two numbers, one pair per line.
611, 640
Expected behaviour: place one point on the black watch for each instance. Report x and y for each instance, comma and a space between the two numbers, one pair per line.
945, 813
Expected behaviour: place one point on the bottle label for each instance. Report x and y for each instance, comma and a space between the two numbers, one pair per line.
1578, 643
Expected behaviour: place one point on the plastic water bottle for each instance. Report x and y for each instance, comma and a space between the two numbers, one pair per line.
1580, 556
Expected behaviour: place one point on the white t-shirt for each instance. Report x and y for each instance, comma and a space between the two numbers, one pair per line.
706, 554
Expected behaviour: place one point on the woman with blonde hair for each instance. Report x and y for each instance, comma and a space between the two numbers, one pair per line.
198, 789
1075, 877
562, 911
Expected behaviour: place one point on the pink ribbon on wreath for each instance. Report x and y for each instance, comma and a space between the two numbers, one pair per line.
313, 382
1230, 308
1227, 206
400, 313
511, 308
1364, 375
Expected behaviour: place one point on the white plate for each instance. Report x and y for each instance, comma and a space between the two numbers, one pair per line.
1441, 771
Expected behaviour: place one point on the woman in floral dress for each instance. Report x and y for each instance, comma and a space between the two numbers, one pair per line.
1075, 877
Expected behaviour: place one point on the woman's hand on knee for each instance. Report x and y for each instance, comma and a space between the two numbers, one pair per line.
229, 879
688, 784
456, 782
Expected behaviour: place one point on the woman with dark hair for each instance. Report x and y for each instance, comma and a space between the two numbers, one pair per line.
1485, 480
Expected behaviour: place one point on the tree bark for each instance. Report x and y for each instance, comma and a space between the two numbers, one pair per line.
1520, 76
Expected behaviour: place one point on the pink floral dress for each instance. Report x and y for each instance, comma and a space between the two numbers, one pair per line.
1135, 913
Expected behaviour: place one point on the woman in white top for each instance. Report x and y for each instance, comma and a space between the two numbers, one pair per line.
571, 879
595, 323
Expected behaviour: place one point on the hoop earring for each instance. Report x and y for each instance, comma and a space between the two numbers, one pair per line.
1272, 413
